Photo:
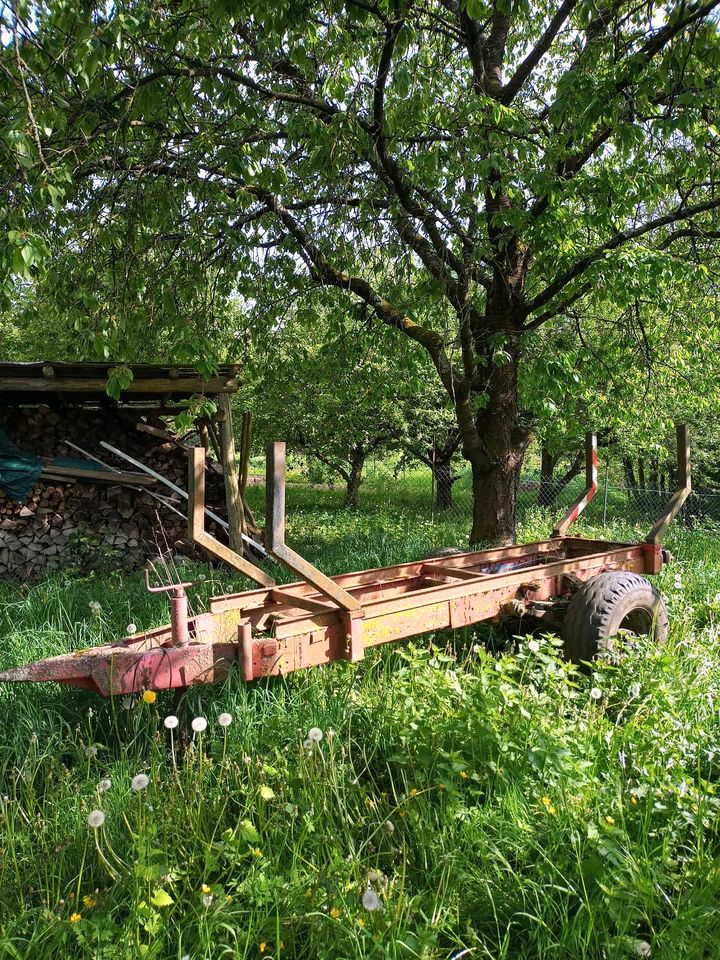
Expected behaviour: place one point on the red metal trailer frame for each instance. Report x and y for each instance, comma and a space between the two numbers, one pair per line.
275, 630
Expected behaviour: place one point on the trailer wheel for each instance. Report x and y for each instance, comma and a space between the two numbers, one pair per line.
607, 605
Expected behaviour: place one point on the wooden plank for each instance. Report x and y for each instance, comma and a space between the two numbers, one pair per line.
236, 517
79, 473
189, 385
161, 434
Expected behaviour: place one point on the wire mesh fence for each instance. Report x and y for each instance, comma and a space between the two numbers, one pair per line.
392, 486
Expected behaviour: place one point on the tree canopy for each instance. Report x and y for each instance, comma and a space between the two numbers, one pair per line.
471, 172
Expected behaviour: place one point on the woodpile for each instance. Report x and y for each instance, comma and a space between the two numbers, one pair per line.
71, 523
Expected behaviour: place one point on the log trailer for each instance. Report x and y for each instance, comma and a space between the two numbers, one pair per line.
588, 589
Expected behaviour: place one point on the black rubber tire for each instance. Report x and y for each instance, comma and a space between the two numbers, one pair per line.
607, 604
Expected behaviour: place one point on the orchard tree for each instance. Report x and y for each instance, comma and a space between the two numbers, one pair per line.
470, 170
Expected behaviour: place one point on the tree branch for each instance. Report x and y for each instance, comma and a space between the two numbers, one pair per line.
512, 87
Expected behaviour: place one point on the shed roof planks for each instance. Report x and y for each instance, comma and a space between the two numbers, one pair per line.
82, 383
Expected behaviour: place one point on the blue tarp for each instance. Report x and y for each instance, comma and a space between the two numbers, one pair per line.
21, 469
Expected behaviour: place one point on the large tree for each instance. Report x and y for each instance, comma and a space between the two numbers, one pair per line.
503, 160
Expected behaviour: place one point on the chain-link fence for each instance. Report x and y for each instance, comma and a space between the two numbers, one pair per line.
448, 500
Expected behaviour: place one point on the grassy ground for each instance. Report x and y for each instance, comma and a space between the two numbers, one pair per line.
483, 802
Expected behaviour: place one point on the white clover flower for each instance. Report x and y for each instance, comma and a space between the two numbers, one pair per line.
104, 784
199, 724
370, 900
96, 819
225, 719
139, 781
315, 734
171, 721
596, 693
533, 646
131, 628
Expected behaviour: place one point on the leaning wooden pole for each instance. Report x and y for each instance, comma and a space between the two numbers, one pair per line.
236, 516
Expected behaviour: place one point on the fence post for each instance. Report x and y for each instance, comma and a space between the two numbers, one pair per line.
432, 482
607, 471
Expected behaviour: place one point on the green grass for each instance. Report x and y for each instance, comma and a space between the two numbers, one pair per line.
488, 800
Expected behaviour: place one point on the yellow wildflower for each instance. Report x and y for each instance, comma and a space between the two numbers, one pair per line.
257, 852
262, 947
89, 901
633, 800
360, 922
149, 696
610, 820
463, 774
370, 803
547, 802
75, 918
413, 792
205, 889
551, 810
334, 913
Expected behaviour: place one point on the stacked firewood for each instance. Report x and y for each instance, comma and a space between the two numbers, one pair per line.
65, 524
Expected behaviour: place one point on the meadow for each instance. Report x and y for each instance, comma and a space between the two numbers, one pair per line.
462, 795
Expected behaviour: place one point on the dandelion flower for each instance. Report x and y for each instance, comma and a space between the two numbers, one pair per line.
225, 719
104, 785
171, 721
334, 913
75, 918
89, 901
596, 693
533, 646
610, 820
199, 724
257, 852
131, 628
207, 900
262, 947
139, 781
360, 922
370, 900
413, 792
463, 774
315, 734
96, 819
551, 810
204, 888
149, 696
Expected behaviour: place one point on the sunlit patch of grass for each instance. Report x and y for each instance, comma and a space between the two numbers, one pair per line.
433, 798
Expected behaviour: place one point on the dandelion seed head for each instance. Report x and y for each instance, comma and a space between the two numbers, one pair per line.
309, 745
91, 751
207, 900
642, 948
370, 900
225, 719
596, 693
139, 781
171, 721
389, 827
95, 608
315, 734
131, 628
199, 724
104, 784
96, 819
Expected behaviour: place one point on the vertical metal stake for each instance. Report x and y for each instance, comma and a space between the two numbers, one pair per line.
607, 471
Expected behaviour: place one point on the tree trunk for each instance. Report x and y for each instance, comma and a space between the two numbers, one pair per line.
444, 481
354, 478
497, 456
547, 468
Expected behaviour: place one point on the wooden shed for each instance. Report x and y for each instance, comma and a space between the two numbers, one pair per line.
78, 466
